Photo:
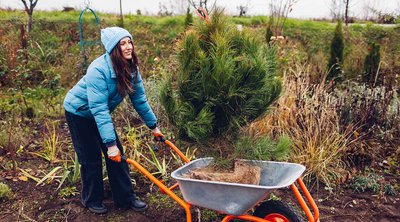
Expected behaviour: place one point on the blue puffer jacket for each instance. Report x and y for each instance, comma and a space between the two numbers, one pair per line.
96, 96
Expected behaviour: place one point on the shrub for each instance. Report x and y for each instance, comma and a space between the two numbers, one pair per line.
269, 33
386, 18
306, 113
188, 18
374, 109
371, 65
226, 78
389, 189
372, 182
5, 192
364, 183
336, 55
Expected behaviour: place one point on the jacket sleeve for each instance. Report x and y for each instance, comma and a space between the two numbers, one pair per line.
139, 102
97, 92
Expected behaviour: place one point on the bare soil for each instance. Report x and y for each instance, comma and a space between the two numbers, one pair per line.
243, 173
42, 203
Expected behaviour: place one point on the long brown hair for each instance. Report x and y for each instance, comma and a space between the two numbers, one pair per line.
123, 69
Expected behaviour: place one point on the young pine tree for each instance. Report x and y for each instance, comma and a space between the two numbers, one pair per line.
188, 18
336, 56
226, 78
268, 32
371, 65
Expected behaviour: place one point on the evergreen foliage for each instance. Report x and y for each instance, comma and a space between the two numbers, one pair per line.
371, 64
188, 18
263, 148
269, 33
226, 78
336, 55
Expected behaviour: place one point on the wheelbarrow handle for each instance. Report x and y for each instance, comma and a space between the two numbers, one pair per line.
158, 136
171, 145
161, 138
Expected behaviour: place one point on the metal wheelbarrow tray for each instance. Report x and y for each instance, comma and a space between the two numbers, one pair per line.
235, 198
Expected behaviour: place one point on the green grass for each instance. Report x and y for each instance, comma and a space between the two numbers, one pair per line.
5, 192
44, 101
54, 51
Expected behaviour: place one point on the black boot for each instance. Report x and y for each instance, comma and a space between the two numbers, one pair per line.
136, 205
97, 208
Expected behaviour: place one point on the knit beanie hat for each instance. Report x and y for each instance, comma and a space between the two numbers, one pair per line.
111, 36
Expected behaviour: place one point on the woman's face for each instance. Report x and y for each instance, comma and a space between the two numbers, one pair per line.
126, 47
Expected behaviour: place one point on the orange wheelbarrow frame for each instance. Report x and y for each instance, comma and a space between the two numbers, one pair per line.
169, 191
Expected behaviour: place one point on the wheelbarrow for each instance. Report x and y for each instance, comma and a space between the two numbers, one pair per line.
234, 199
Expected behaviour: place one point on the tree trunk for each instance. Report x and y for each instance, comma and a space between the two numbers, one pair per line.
120, 14
24, 42
346, 13
30, 22
29, 11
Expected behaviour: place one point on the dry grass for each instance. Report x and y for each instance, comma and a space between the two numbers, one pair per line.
306, 112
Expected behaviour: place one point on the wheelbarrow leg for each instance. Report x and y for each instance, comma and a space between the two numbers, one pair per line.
311, 217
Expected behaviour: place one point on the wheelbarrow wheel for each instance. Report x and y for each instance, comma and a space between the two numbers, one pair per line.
276, 211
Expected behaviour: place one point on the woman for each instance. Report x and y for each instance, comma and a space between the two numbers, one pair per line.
88, 105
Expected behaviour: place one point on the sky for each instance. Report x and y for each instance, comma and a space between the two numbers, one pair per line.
301, 9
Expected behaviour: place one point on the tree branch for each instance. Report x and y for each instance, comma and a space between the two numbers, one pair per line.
26, 6
34, 3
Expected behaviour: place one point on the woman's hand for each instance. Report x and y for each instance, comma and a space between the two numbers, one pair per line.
114, 154
157, 134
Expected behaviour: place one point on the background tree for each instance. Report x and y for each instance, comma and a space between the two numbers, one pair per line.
173, 7
269, 33
121, 17
336, 54
369, 9
165, 10
371, 65
243, 9
226, 79
279, 11
336, 9
180, 6
188, 18
340, 9
346, 12
209, 6
29, 11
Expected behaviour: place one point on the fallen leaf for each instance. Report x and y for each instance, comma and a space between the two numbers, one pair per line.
23, 178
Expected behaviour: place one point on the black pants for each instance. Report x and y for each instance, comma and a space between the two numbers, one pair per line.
88, 146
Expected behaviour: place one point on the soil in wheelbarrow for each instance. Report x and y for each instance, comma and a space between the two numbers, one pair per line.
242, 173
